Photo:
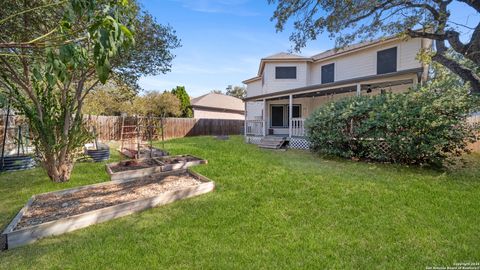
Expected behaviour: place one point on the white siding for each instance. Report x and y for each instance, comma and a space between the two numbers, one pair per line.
364, 63
408, 53
349, 66
274, 85
254, 88
254, 110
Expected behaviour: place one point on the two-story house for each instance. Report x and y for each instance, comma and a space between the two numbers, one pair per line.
289, 87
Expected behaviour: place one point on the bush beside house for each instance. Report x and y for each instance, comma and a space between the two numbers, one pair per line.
423, 126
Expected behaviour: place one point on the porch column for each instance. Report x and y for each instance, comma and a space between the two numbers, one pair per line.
245, 119
290, 98
359, 89
264, 131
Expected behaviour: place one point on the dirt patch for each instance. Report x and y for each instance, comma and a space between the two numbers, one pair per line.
144, 152
51, 207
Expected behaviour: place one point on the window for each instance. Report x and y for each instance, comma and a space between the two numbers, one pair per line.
296, 112
279, 114
328, 73
387, 61
285, 72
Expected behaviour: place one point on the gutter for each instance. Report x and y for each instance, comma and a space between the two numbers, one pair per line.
337, 83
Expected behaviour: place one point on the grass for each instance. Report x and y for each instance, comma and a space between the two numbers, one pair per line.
270, 210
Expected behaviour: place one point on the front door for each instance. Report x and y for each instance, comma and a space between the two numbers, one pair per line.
277, 116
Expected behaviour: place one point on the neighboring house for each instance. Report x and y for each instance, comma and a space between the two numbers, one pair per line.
218, 106
289, 87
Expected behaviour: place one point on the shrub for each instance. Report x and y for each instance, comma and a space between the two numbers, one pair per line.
420, 126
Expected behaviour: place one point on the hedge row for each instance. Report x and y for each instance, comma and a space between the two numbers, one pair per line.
420, 126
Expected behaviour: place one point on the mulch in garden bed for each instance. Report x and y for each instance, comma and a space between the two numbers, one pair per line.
50, 207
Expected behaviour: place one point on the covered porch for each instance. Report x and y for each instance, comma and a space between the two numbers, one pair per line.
284, 115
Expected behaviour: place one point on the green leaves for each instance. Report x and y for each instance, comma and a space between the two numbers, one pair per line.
89, 34
424, 126
185, 107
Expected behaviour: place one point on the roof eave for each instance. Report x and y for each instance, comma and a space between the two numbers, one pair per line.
252, 80
264, 60
329, 85
369, 45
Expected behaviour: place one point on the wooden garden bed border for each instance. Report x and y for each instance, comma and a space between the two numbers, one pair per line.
129, 174
11, 239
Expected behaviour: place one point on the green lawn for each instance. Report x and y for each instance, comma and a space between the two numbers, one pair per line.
270, 210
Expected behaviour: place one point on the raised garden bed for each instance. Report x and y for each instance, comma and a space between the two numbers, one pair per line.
63, 211
128, 169
144, 152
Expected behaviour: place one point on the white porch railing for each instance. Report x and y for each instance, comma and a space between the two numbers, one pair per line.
254, 127
298, 127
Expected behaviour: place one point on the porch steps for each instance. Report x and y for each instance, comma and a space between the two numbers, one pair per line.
273, 142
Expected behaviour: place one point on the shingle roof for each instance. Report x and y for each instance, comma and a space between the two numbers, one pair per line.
284, 55
218, 101
333, 52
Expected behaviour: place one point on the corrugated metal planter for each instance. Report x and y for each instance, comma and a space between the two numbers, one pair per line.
102, 153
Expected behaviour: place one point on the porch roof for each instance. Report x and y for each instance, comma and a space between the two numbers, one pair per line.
338, 86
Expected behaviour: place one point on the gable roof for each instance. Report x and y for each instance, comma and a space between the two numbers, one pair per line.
284, 56
351, 48
281, 56
218, 101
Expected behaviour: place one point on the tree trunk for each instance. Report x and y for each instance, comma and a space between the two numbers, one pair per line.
466, 74
58, 169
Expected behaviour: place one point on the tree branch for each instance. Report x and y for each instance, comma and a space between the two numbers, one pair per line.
421, 34
30, 10
432, 10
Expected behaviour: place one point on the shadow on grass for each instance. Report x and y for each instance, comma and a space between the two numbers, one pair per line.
279, 210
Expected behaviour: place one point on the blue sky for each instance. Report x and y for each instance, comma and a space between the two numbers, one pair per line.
224, 40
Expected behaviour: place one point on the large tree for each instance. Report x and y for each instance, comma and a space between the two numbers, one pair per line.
52, 55
182, 95
108, 99
236, 91
350, 21
156, 104
152, 53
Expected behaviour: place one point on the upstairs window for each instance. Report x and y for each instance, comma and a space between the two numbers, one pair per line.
285, 72
387, 61
328, 73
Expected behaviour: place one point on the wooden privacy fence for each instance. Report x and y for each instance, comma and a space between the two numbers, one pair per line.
108, 128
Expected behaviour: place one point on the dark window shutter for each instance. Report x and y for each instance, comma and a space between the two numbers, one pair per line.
387, 61
285, 72
328, 73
